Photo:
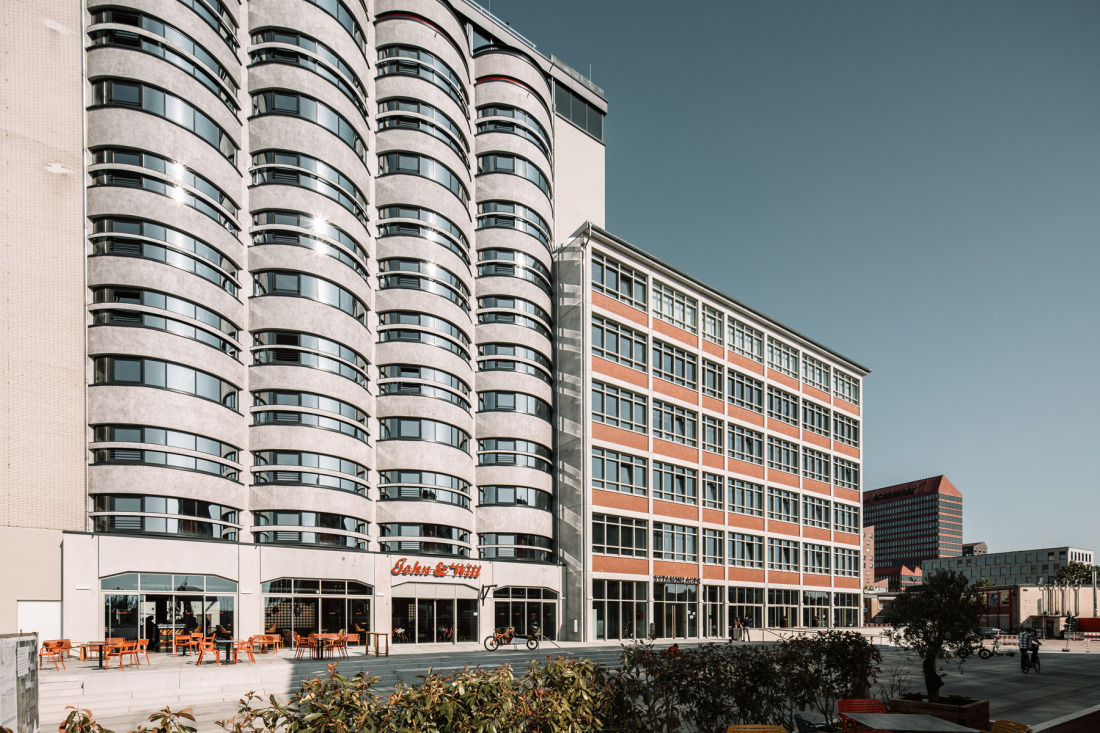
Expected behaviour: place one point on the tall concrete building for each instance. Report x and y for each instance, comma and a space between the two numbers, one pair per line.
913, 522
299, 347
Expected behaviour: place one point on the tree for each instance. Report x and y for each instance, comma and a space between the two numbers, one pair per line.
985, 583
1074, 572
937, 621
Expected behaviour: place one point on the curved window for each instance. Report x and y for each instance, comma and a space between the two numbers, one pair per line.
421, 165
413, 61
294, 104
494, 309
512, 546
514, 165
164, 515
142, 457
149, 240
141, 372
408, 105
172, 169
512, 215
334, 243
283, 477
145, 434
209, 72
300, 285
411, 379
134, 95
314, 56
343, 15
505, 358
217, 16
526, 126
513, 452
292, 348
412, 485
163, 302
303, 459
424, 538
429, 225
281, 167
513, 402
322, 520
426, 276
390, 330
422, 429
514, 496
395, 120
353, 421
513, 263
133, 179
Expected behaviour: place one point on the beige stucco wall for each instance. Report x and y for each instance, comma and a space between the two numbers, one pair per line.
579, 175
41, 269
30, 571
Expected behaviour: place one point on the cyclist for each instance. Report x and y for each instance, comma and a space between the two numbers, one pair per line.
1029, 649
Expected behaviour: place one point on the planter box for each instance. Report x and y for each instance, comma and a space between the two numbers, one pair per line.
974, 714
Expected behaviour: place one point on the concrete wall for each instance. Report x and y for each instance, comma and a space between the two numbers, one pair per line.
579, 175
30, 571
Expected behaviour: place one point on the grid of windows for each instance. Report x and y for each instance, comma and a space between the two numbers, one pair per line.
783, 555
619, 535
620, 472
745, 340
746, 550
674, 423
712, 324
815, 512
712, 434
712, 379
712, 491
614, 279
845, 386
746, 497
846, 518
745, 444
846, 473
669, 304
618, 407
713, 550
816, 558
815, 465
847, 562
846, 430
744, 391
815, 418
782, 406
675, 483
675, 542
618, 343
815, 373
782, 455
783, 505
674, 365
783, 358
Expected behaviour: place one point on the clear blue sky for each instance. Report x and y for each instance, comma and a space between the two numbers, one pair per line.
914, 184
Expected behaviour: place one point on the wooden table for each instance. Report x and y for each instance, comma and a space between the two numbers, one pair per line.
325, 642
899, 722
376, 635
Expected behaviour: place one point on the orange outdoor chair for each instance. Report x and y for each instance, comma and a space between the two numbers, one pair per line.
1009, 726
51, 650
185, 641
243, 646
301, 645
143, 648
754, 728
122, 649
857, 705
208, 646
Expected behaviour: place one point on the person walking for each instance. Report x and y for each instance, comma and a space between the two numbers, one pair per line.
737, 630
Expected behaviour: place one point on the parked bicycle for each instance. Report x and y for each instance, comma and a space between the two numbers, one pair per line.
506, 636
985, 653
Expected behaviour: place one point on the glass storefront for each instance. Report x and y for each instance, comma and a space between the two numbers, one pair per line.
675, 610
620, 608
815, 609
156, 606
526, 608
713, 628
746, 604
782, 608
306, 606
846, 607
434, 620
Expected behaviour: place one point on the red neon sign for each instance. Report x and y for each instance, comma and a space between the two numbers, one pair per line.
441, 570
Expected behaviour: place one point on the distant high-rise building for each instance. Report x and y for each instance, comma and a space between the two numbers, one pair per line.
914, 521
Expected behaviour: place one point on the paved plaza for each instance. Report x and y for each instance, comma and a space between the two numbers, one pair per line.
121, 699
